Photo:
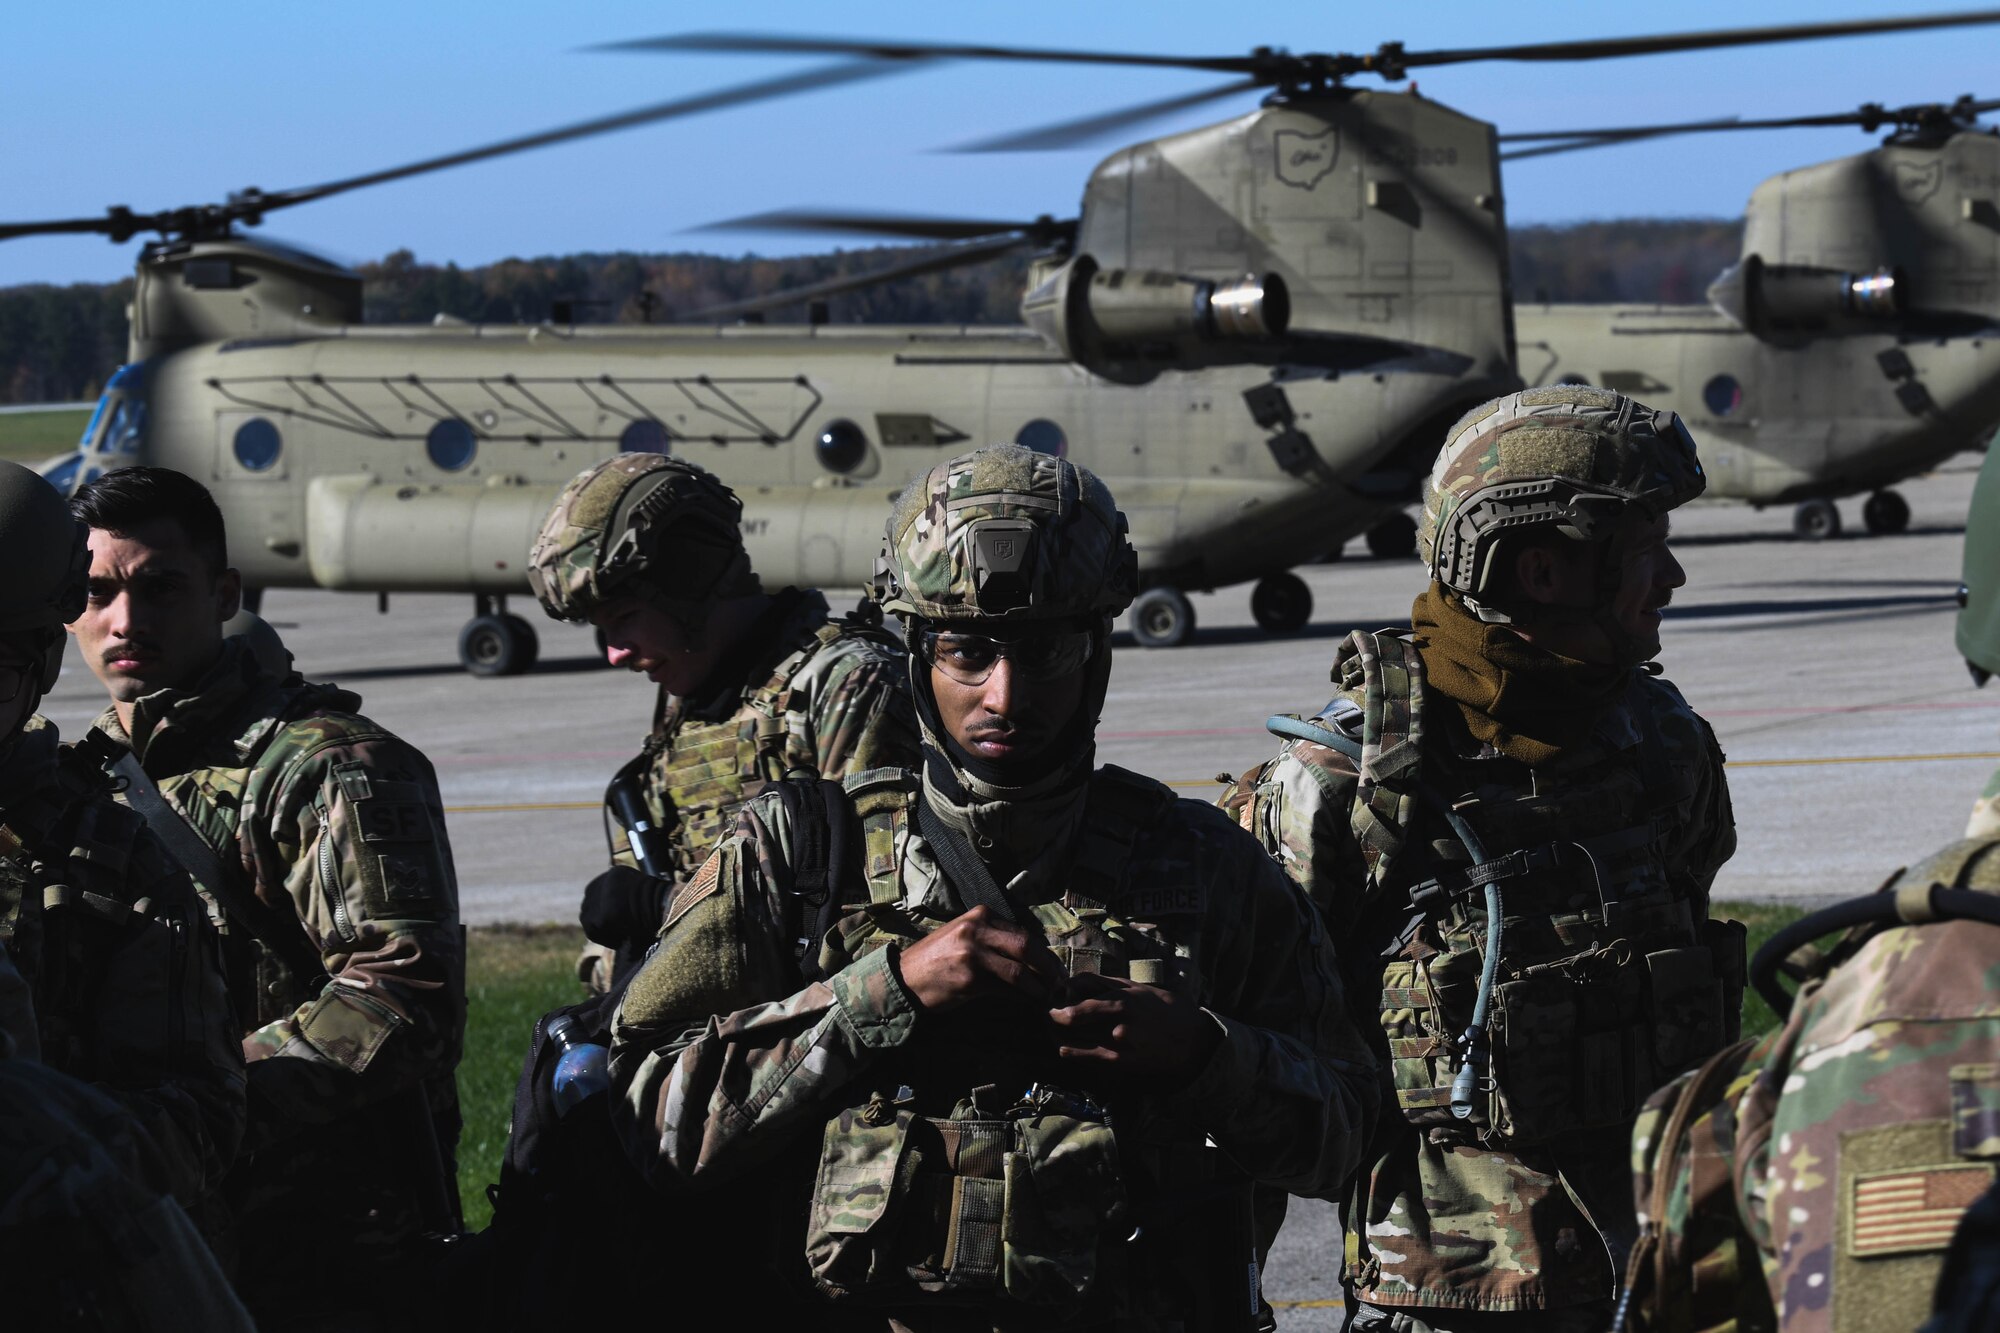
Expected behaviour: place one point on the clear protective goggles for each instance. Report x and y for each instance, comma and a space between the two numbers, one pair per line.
969, 658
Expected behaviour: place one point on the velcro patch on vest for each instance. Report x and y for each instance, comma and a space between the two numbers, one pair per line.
1151, 901
1912, 1212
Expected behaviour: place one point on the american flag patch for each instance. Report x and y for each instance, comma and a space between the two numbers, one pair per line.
1912, 1212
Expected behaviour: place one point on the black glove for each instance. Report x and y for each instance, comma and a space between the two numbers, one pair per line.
623, 906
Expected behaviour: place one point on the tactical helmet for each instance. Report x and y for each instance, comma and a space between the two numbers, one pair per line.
1569, 457
1006, 533
46, 554
643, 524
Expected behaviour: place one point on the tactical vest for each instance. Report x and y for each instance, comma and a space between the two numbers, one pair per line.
65, 907
700, 773
970, 1168
1606, 982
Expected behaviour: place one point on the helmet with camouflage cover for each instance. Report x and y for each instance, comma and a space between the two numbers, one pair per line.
46, 554
1006, 534
1567, 458
645, 525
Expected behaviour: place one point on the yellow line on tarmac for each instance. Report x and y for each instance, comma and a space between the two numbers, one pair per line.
1864, 759
1308, 1305
1984, 755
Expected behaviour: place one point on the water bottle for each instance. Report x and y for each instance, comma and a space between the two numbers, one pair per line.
582, 1072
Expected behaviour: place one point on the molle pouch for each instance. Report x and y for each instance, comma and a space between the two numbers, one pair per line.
859, 1194
1064, 1193
1426, 1004
1688, 1008
912, 1209
1567, 1048
1728, 945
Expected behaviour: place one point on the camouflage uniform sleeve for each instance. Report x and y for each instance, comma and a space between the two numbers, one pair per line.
1710, 837
1290, 1092
718, 1058
355, 841
167, 1043
860, 715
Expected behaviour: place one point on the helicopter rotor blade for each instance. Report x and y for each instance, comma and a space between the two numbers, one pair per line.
959, 256
1269, 67
1078, 133
887, 224
755, 43
1870, 117
1605, 48
251, 205
826, 76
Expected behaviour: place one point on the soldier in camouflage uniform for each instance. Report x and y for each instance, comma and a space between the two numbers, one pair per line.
117, 961
1017, 1058
87, 1240
753, 685
1812, 1180
1978, 630
1516, 823
320, 838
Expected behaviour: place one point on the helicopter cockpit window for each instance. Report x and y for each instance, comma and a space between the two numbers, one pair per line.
1044, 437
127, 429
842, 446
644, 436
257, 444
451, 444
1723, 395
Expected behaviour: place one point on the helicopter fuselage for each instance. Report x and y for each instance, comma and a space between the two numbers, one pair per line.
408, 458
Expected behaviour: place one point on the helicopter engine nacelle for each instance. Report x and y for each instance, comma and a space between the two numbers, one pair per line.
1768, 299
1128, 325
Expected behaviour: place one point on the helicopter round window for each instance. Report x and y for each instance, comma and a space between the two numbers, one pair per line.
644, 436
257, 444
1044, 437
451, 444
1723, 395
842, 446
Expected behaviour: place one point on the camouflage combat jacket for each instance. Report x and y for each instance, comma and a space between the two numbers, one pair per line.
336, 829
884, 1129
825, 695
1839, 1152
121, 964
87, 1240
1611, 979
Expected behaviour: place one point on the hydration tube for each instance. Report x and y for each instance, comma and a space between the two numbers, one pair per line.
1465, 1083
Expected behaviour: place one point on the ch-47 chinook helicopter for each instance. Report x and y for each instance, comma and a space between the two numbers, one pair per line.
1255, 332
1857, 341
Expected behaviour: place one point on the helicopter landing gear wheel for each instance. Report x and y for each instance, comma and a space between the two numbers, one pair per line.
1886, 512
1816, 520
497, 645
1394, 538
1281, 603
1162, 617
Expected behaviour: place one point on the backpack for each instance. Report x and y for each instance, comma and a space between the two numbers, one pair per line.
569, 1208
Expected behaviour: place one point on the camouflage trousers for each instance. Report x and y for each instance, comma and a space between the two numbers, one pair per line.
1365, 1318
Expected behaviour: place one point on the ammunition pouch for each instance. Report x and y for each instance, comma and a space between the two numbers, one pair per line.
1576, 1042
908, 1208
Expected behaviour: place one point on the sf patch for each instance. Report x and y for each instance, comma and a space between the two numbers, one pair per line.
394, 842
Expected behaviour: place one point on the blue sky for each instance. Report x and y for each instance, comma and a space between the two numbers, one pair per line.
155, 105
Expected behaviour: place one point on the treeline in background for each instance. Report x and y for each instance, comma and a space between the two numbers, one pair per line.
57, 344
